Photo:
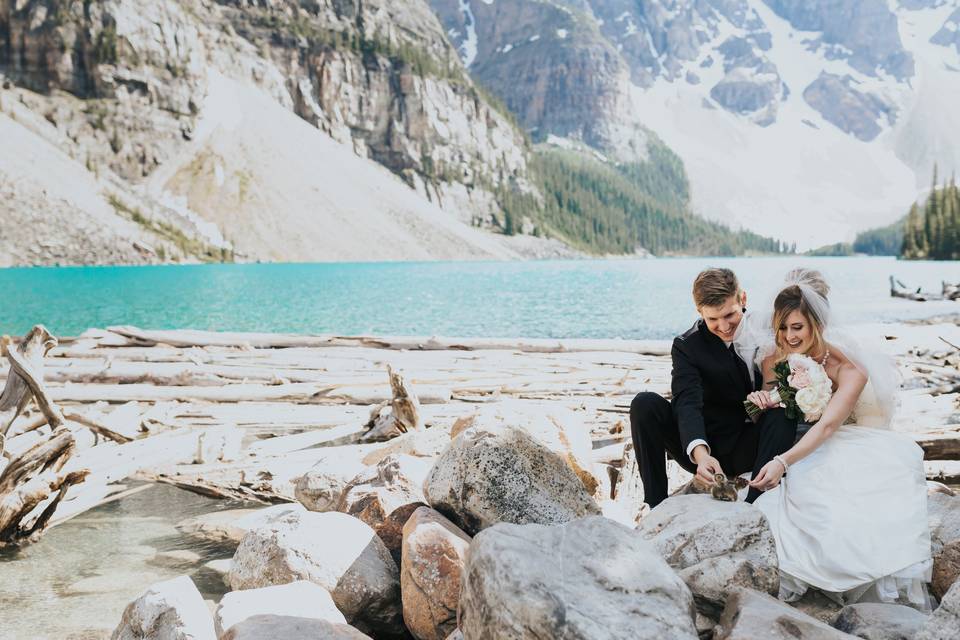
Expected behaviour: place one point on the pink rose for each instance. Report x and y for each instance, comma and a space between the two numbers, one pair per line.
799, 378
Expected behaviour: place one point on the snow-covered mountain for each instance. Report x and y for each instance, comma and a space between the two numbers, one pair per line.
802, 119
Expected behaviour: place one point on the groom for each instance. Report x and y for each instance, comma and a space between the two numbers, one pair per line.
705, 428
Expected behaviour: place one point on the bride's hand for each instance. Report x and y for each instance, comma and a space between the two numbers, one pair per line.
769, 476
761, 399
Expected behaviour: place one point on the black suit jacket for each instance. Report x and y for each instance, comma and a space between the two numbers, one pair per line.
709, 388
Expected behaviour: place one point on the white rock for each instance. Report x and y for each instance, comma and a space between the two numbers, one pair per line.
589, 579
334, 550
876, 621
714, 546
171, 610
300, 599
269, 627
750, 615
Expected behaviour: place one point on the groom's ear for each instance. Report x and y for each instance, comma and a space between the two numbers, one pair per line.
743, 299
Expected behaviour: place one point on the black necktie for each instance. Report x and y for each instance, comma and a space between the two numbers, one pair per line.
742, 368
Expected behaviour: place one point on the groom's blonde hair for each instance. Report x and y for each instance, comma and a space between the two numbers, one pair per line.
714, 286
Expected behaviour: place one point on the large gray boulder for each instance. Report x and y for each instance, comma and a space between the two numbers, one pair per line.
714, 546
876, 621
750, 615
300, 599
561, 430
334, 550
431, 570
270, 627
503, 474
944, 623
170, 610
590, 578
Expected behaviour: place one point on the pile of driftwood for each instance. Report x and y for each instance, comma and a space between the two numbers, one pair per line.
242, 415
33, 483
949, 291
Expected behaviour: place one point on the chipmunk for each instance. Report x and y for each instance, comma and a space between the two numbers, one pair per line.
726, 490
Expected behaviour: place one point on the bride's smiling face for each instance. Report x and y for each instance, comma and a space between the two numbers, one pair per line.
795, 334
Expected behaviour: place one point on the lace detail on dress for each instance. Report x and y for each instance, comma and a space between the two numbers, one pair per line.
908, 586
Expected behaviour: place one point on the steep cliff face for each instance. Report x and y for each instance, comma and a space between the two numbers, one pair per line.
128, 87
383, 77
780, 109
553, 67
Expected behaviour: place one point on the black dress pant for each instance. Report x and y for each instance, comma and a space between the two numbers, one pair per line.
655, 433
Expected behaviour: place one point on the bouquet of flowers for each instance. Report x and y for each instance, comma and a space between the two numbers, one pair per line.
802, 385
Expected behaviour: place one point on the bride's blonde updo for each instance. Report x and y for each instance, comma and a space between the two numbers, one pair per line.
791, 299
811, 277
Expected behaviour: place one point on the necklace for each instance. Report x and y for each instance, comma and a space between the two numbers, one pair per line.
823, 363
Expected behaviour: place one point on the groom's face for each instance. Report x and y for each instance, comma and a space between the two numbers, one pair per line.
723, 320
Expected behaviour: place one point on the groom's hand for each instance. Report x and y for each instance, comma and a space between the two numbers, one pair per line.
707, 465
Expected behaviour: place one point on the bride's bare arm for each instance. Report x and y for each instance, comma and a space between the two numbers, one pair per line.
850, 383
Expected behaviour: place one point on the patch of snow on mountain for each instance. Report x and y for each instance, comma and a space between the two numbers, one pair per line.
468, 49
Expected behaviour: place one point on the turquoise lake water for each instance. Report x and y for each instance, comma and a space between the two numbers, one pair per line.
556, 299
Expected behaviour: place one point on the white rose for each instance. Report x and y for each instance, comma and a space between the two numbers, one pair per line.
813, 400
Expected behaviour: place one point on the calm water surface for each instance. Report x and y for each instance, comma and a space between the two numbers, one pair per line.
74, 583
551, 299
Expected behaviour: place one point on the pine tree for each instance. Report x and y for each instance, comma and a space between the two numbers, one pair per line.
911, 233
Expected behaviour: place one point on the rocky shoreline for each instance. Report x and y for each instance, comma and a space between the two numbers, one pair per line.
494, 496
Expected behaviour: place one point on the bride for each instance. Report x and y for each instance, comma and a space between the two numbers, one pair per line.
848, 502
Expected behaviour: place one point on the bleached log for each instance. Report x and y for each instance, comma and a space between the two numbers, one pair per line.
943, 445
299, 441
189, 338
304, 393
899, 290
29, 353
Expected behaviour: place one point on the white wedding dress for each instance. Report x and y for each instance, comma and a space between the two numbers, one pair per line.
850, 519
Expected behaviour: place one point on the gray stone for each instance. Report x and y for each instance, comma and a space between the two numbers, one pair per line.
714, 546
590, 578
264, 627
176, 559
874, 621
944, 623
491, 475
750, 615
334, 550
321, 488
943, 516
216, 570
300, 599
171, 610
